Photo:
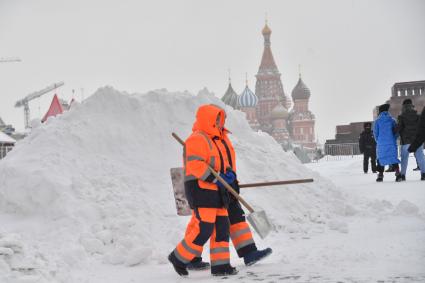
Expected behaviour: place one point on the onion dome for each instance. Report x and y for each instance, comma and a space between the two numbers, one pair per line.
266, 30
279, 112
230, 97
247, 98
301, 91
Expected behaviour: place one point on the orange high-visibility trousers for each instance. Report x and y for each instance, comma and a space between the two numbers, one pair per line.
240, 232
242, 240
206, 223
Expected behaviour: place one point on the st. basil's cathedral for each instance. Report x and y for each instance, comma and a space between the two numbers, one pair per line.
268, 108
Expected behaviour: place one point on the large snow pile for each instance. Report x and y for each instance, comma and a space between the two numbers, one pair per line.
93, 185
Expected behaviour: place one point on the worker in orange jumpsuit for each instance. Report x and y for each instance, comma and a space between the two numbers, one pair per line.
207, 196
240, 233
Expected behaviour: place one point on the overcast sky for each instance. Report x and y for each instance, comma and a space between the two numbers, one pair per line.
351, 52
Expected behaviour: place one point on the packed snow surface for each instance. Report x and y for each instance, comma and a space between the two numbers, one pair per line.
87, 198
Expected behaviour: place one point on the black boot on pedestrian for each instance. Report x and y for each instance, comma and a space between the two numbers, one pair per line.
198, 264
403, 177
380, 178
417, 169
398, 178
423, 177
256, 256
179, 267
223, 270
390, 169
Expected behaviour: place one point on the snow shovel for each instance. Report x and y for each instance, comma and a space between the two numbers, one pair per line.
257, 219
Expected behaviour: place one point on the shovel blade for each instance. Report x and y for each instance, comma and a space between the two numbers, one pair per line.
177, 180
260, 223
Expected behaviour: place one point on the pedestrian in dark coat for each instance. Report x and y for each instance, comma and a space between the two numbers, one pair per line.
418, 142
408, 126
385, 132
367, 145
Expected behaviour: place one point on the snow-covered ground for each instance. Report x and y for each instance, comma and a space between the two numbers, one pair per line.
382, 239
87, 198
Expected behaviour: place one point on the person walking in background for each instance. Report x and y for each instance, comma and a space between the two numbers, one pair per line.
367, 145
418, 142
385, 132
407, 127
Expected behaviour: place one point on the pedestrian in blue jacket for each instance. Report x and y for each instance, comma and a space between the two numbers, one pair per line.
385, 131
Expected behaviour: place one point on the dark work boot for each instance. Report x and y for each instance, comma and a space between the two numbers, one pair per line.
423, 176
399, 177
179, 267
416, 169
257, 255
380, 177
223, 270
198, 264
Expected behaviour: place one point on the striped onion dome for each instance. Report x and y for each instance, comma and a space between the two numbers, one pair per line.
247, 98
301, 91
279, 112
230, 97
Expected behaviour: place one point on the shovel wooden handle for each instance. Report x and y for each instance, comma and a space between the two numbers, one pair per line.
178, 138
275, 183
221, 180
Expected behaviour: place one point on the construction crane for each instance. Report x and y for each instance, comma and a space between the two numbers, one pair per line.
9, 60
25, 101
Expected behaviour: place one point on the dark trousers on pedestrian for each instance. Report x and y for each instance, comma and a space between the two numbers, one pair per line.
366, 157
381, 168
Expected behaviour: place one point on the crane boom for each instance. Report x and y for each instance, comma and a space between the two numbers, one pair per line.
11, 59
36, 94
25, 101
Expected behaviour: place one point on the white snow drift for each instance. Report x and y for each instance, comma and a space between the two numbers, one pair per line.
93, 185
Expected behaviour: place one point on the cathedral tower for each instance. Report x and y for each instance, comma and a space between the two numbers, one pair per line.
230, 97
268, 88
279, 117
302, 120
247, 102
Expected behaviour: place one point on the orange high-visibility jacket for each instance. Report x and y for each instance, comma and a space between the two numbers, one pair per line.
206, 143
